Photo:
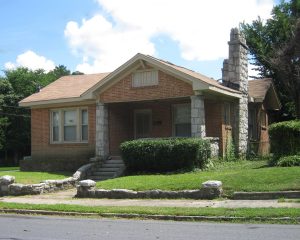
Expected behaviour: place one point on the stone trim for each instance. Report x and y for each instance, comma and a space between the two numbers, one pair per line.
208, 190
197, 116
102, 141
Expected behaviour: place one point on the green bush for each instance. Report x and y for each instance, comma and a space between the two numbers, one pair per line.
289, 161
285, 139
161, 155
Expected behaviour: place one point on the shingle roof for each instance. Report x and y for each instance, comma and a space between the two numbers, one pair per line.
76, 86
258, 88
72, 86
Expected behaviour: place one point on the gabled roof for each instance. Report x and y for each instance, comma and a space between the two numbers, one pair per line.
85, 87
258, 88
263, 90
199, 81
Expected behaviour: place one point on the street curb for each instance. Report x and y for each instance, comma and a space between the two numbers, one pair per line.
149, 217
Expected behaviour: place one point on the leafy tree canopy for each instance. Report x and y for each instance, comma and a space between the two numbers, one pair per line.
274, 45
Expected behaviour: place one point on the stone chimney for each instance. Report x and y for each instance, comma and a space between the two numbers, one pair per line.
235, 75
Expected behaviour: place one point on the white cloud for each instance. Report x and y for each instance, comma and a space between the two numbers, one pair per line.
201, 29
32, 61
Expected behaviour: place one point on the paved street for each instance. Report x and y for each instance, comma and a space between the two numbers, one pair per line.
40, 227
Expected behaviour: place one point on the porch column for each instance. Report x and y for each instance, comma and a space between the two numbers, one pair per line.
197, 116
102, 141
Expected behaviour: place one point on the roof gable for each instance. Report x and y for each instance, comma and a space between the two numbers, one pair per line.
263, 90
200, 82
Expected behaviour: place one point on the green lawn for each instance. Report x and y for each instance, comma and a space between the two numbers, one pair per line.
249, 213
32, 177
236, 176
9, 169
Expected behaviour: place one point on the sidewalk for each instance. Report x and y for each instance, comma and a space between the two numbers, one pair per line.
67, 197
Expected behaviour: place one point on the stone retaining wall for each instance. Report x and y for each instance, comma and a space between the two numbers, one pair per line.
9, 187
208, 190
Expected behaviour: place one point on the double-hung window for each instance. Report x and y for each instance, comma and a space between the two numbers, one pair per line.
182, 120
69, 125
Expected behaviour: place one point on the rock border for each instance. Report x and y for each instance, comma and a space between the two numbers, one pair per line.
9, 187
209, 190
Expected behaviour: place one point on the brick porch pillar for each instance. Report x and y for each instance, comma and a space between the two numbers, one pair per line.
102, 141
197, 116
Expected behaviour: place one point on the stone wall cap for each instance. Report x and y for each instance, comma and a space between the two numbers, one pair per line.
212, 184
6, 179
87, 183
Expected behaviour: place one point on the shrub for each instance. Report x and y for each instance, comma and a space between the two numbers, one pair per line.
161, 155
230, 149
289, 161
285, 139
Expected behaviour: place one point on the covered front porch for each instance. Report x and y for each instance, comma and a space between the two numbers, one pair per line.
192, 116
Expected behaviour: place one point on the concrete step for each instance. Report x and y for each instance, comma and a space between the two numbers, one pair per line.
115, 157
101, 173
113, 165
114, 161
100, 178
107, 169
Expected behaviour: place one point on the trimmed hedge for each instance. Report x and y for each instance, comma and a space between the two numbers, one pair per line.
285, 138
162, 155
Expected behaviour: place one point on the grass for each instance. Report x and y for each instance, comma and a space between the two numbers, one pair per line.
32, 177
9, 169
249, 213
246, 176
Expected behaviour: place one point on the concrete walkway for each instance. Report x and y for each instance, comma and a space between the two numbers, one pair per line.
67, 197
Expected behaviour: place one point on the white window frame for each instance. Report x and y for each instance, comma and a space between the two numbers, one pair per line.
144, 78
79, 125
173, 117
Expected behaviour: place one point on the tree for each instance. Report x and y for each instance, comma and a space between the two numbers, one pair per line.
14, 120
59, 71
274, 45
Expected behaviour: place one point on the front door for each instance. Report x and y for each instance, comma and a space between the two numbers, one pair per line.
142, 123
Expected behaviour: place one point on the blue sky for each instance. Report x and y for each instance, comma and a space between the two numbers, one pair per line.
100, 35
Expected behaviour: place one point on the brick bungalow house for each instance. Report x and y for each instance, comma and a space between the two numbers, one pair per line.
79, 117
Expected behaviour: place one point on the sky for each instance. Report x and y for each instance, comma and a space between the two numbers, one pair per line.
95, 36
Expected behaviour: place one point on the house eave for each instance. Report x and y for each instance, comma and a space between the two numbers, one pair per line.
55, 102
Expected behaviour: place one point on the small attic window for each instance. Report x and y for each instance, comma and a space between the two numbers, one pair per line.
145, 78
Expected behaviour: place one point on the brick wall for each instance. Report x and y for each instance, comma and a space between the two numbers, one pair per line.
41, 149
168, 87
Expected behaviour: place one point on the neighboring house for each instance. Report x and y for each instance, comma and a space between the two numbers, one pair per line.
79, 117
263, 101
